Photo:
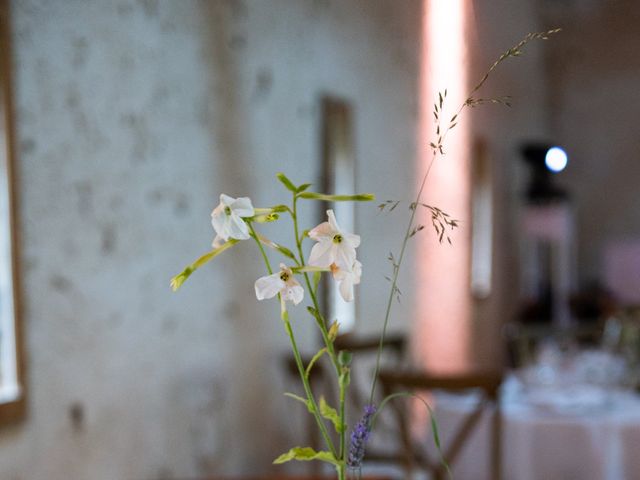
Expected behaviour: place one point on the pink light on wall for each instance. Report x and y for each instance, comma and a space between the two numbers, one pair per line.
443, 302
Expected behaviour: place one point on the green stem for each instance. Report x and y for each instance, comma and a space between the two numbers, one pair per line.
327, 341
344, 380
298, 359
407, 235
319, 319
307, 388
264, 254
396, 271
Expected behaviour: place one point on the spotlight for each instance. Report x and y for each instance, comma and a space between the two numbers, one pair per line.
556, 159
543, 160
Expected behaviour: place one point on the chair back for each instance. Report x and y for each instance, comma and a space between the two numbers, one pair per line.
412, 456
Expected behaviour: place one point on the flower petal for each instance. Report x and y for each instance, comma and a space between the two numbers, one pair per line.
347, 279
346, 288
352, 239
332, 221
237, 228
219, 222
337, 272
345, 256
324, 230
243, 207
217, 242
293, 293
269, 286
357, 272
226, 200
322, 254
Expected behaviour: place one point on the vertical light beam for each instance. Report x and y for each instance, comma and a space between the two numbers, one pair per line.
443, 301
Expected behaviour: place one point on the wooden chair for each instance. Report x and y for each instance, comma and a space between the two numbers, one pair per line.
364, 351
322, 381
410, 456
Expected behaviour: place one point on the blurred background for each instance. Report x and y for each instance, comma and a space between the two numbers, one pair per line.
130, 117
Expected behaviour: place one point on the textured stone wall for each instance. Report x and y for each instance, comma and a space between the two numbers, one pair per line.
132, 116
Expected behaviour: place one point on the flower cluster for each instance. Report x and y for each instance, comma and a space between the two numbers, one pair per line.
359, 437
227, 217
334, 251
283, 283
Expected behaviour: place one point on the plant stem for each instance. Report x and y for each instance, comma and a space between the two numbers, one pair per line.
307, 388
264, 254
343, 382
296, 354
342, 376
396, 271
319, 319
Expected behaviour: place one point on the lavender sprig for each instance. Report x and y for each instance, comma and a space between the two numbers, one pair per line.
359, 436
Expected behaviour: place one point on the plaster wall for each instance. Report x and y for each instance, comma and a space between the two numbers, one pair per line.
594, 105
495, 26
132, 117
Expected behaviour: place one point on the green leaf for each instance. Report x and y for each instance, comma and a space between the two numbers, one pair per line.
286, 182
280, 208
274, 209
306, 454
334, 330
306, 402
178, 280
315, 314
303, 187
360, 197
315, 358
330, 414
345, 377
280, 248
264, 218
344, 358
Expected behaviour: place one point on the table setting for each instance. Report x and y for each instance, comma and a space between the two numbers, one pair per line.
571, 414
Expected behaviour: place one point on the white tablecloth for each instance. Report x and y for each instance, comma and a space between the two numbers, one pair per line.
596, 442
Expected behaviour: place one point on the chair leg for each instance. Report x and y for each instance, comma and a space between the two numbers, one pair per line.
496, 443
406, 456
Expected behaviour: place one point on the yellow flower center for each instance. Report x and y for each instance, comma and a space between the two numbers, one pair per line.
284, 276
337, 238
227, 211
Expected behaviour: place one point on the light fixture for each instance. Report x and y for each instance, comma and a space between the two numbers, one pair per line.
544, 161
556, 159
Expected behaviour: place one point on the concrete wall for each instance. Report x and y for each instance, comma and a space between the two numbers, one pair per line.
593, 102
495, 26
132, 117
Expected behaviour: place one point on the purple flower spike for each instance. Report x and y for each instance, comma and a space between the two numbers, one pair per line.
359, 436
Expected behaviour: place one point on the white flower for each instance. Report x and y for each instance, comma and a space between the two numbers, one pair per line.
282, 282
217, 242
347, 279
227, 221
334, 245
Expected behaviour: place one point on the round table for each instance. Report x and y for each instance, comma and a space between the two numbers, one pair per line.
592, 442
